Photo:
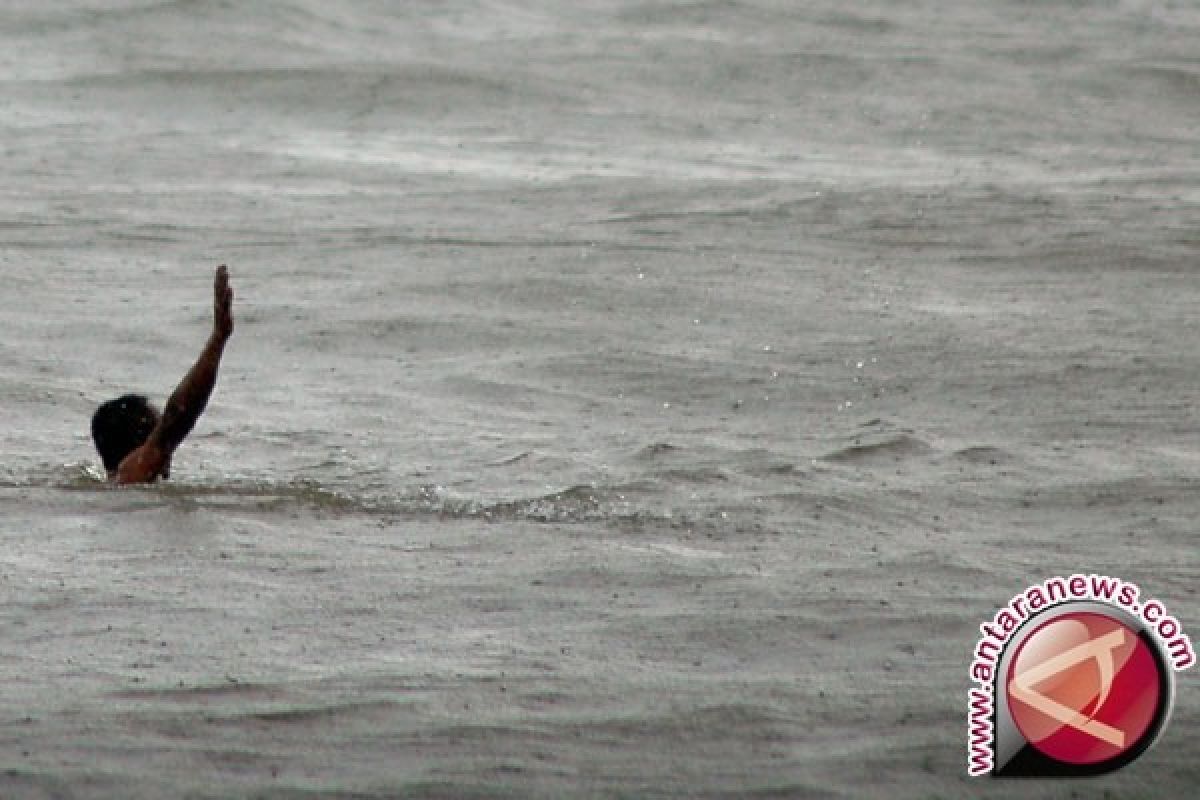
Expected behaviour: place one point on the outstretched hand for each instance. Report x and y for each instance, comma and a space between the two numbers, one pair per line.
222, 304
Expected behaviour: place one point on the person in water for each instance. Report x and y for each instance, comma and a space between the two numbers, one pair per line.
135, 441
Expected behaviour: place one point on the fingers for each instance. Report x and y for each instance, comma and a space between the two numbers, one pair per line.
223, 302
221, 287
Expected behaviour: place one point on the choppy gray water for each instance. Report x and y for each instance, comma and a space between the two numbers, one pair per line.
704, 372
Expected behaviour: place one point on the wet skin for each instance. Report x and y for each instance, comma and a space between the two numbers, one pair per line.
187, 402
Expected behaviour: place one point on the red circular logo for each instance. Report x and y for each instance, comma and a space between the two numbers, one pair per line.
1084, 688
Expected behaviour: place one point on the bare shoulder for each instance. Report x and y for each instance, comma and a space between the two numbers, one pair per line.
144, 464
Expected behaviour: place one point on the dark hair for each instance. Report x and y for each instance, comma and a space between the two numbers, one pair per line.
121, 426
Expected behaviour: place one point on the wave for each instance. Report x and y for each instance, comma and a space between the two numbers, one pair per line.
576, 503
120, 36
986, 455
891, 446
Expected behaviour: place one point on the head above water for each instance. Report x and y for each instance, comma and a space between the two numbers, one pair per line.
120, 426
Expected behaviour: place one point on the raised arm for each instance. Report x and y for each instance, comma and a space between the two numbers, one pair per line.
188, 400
